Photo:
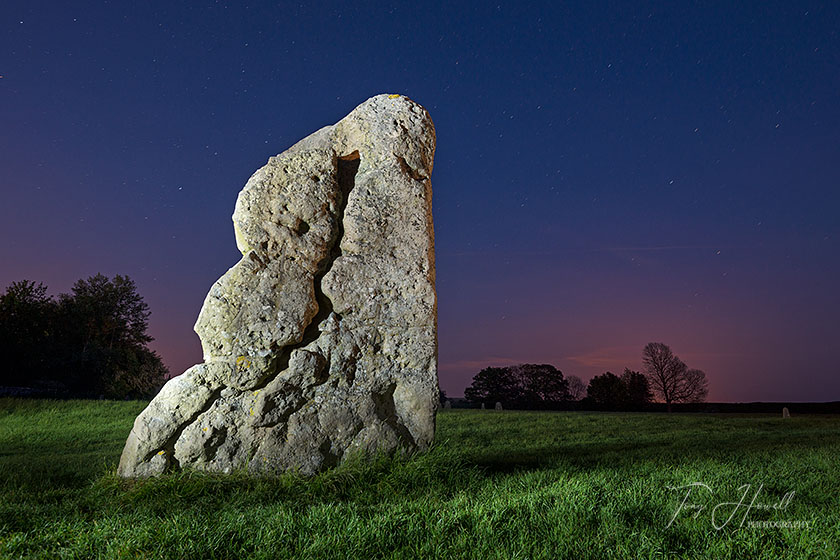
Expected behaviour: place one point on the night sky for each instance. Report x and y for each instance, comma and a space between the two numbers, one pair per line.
605, 176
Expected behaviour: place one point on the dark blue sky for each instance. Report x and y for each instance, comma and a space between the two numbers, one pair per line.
605, 176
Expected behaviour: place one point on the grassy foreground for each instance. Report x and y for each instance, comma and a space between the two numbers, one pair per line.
496, 485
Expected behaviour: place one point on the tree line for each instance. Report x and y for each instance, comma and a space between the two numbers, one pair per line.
91, 342
542, 386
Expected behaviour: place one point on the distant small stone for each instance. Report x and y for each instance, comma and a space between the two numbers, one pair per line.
785, 413
498, 406
482, 406
447, 405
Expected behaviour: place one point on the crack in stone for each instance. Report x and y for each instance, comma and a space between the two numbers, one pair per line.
215, 442
386, 411
330, 459
169, 446
348, 166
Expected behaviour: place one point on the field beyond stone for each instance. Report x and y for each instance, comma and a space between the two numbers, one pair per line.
496, 485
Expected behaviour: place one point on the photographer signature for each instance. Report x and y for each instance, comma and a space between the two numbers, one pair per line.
723, 513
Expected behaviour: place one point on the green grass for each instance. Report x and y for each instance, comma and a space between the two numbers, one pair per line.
496, 485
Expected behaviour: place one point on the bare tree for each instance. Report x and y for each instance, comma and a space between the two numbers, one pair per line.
577, 388
695, 388
670, 378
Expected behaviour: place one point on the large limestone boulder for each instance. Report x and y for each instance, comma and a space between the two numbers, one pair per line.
321, 342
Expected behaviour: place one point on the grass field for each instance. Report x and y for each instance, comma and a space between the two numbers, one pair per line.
496, 485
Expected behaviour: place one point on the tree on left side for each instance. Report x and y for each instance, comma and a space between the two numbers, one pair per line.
26, 333
91, 342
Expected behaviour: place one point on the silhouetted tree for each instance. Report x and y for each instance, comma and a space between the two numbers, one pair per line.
630, 391
491, 385
637, 393
695, 387
670, 378
606, 390
108, 312
93, 341
577, 388
519, 386
27, 315
133, 372
106, 350
541, 385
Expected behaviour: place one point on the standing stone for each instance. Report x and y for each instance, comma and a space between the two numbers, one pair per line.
321, 342
498, 406
482, 406
447, 405
785, 413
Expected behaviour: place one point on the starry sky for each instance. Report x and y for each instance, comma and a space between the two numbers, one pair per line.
606, 174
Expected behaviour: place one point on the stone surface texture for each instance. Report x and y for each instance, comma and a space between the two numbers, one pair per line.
321, 342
